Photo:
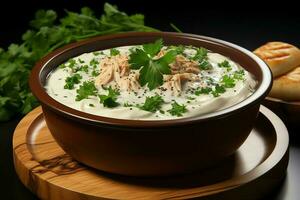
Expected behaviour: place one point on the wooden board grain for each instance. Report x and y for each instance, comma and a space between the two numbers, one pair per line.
43, 167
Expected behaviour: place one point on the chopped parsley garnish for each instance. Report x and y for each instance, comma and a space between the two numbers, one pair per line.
219, 89
85, 90
94, 62
179, 49
84, 68
225, 64
201, 57
97, 53
95, 73
71, 81
239, 75
152, 104
114, 52
177, 109
80, 61
151, 69
201, 54
227, 81
91, 105
127, 104
191, 98
109, 100
71, 63
205, 90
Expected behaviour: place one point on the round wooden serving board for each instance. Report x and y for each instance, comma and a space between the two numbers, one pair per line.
258, 165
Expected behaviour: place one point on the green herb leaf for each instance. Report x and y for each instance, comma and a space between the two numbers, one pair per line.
239, 75
109, 100
177, 109
152, 70
85, 90
114, 52
47, 33
152, 104
71, 81
219, 89
201, 54
206, 90
153, 48
201, 57
225, 64
138, 58
228, 82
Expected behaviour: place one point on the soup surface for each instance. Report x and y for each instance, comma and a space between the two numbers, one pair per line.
150, 82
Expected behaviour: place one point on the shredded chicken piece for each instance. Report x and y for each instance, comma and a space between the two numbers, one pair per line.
116, 69
112, 68
130, 82
183, 65
174, 83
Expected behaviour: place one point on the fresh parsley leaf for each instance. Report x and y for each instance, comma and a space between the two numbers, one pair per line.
127, 104
225, 64
201, 54
85, 90
239, 75
109, 100
47, 32
94, 62
205, 65
151, 70
152, 104
114, 52
228, 82
71, 81
80, 61
71, 64
205, 90
179, 49
138, 58
95, 73
201, 57
153, 48
177, 109
84, 68
219, 89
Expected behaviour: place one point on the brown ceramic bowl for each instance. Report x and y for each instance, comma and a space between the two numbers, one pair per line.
151, 148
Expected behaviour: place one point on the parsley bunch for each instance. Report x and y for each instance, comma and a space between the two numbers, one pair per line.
47, 33
151, 69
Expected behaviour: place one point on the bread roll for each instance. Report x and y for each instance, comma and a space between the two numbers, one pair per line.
287, 87
281, 57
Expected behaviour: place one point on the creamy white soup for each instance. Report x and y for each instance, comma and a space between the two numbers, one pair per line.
150, 82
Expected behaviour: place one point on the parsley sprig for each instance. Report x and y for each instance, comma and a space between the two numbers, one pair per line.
109, 100
201, 57
46, 33
151, 68
85, 90
152, 104
72, 80
177, 109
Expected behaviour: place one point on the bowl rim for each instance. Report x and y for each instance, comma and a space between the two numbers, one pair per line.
39, 91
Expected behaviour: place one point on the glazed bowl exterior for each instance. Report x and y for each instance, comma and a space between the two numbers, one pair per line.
150, 148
